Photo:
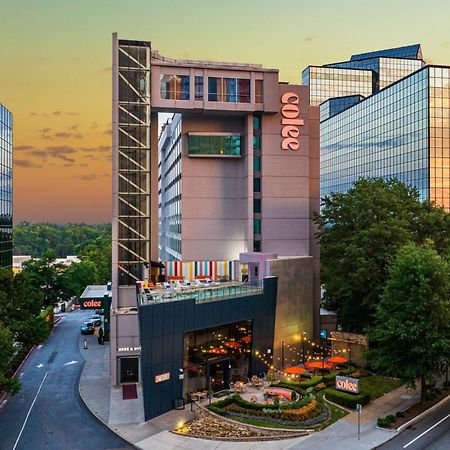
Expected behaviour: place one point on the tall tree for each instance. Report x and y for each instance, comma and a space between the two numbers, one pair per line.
7, 383
20, 305
360, 231
411, 338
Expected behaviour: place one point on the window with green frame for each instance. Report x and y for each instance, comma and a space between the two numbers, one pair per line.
214, 145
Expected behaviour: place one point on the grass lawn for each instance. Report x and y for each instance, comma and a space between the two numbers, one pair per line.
377, 386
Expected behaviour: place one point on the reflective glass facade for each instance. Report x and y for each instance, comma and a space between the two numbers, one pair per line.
204, 145
402, 132
328, 82
364, 74
334, 106
6, 185
169, 191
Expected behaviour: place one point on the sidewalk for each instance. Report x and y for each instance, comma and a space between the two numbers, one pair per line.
126, 417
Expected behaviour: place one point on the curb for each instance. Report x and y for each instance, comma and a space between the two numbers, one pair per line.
24, 359
422, 415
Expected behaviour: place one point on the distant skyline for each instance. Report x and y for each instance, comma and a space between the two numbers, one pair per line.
55, 72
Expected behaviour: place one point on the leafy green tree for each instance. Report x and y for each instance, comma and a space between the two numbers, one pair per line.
45, 276
7, 383
69, 239
20, 305
360, 231
77, 276
411, 338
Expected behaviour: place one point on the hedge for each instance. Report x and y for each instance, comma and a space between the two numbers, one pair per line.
347, 400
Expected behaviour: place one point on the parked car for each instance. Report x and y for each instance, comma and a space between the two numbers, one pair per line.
100, 312
87, 328
96, 320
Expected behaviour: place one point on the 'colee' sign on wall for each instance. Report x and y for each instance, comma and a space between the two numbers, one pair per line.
90, 304
347, 384
290, 121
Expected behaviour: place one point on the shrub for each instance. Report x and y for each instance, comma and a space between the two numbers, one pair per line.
320, 386
382, 422
400, 413
347, 400
390, 418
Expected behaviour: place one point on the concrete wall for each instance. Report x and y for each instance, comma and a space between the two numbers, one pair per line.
295, 301
214, 194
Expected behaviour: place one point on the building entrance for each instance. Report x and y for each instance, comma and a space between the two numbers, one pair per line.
129, 370
219, 374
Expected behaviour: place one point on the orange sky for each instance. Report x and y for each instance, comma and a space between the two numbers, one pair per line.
55, 72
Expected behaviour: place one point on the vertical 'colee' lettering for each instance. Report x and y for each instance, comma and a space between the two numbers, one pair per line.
290, 121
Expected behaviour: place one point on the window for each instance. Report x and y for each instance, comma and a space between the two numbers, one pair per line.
256, 142
202, 145
256, 226
199, 88
231, 90
256, 184
257, 163
256, 205
175, 87
259, 93
256, 246
256, 122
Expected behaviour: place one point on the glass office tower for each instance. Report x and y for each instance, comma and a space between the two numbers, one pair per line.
6, 245
400, 132
364, 74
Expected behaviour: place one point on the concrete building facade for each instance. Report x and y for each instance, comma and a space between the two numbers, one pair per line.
238, 173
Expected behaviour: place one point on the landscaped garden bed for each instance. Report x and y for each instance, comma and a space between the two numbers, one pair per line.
401, 417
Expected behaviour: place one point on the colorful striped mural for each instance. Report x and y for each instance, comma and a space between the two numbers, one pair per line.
213, 269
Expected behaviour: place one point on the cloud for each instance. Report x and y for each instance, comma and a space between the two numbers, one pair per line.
97, 149
65, 134
309, 38
32, 114
91, 177
26, 163
107, 131
56, 113
93, 125
74, 127
23, 147
45, 130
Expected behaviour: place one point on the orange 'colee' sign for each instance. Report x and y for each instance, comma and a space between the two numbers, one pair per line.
290, 121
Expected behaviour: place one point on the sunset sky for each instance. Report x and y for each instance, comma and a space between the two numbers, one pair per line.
55, 72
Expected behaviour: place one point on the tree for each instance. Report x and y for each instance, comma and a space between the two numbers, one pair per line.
20, 306
45, 276
360, 231
411, 338
7, 383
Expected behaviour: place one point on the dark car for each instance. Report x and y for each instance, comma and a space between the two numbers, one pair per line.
87, 328
100, 312
96, 320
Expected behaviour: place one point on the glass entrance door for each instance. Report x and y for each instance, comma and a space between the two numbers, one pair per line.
219, 375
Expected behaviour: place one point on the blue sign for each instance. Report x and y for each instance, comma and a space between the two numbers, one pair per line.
323, 333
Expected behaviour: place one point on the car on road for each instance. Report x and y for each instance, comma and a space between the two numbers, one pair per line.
101, 312
96, 320
87, 328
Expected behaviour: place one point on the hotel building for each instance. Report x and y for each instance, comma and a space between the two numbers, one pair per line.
6, 188
233, 177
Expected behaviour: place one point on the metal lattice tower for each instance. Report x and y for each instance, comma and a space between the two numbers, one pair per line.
131, 159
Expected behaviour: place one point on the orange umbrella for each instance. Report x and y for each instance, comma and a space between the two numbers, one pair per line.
338, 359
217, 351
319, 365
295, 370
246, 339
232, 344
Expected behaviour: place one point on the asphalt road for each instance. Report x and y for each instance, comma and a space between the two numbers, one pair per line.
431, 433
48, 412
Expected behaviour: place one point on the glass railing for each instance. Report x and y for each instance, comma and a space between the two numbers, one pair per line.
220, 291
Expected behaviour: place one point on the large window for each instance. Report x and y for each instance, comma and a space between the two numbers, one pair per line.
203, 145
231, 90
259, 93
175, 87
199, 88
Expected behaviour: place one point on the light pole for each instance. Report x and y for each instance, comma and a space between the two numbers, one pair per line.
282, 355
303, 346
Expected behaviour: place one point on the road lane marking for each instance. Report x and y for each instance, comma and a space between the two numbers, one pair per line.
40, 365
425, 432
29, 412
70, 363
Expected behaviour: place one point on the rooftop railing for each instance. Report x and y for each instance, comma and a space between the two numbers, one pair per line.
221, 291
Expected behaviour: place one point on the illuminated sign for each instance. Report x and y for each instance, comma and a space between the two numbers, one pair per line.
88, 304
162, 377
347, 384
129, 349
290, 121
